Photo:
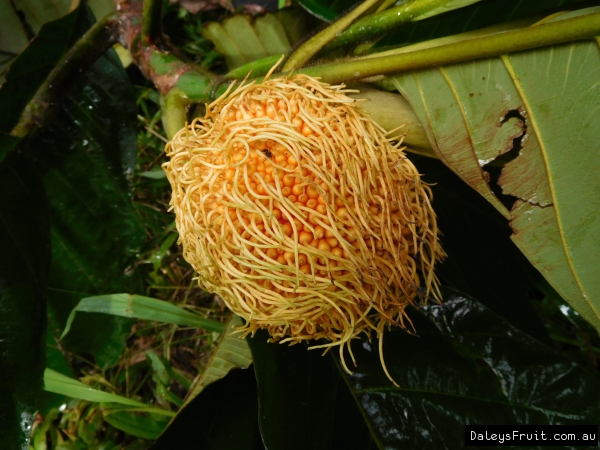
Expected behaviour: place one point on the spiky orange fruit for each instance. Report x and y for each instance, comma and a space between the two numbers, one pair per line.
295, 209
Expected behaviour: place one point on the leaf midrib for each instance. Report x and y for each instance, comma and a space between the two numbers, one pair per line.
468, 397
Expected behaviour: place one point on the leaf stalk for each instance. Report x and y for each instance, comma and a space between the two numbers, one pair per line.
551, 33
318, 41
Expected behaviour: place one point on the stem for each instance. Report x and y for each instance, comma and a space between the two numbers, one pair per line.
173, 107
151, 21
577, 28
96, 41
318, 41
161, 65
380, 22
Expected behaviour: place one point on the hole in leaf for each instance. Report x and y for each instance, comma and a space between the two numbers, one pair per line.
494, 167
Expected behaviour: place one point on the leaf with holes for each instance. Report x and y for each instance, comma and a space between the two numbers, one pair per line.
545, 101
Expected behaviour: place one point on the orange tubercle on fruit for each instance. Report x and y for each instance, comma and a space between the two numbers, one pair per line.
295, 208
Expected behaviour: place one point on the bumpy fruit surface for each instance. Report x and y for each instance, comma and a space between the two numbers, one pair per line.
295, 208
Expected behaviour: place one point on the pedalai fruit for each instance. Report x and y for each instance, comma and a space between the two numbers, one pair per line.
296, 209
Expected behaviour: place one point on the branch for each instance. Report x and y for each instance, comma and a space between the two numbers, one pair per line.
318, 41
96, 41
157, 60
403, 60
152, 21
382, 21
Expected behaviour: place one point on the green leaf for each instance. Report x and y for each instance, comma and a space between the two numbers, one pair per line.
64, 385
31, 68
259, 68
296, 393
231, 353
326, 10
142, 425
222, 417
24, 267
465, 366
243, 42
157, 174
140, 307
272, 35
159, 369
464, 108
241, 31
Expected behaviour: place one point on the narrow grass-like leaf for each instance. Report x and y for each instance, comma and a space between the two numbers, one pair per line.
149, 426
61, 384
140, 307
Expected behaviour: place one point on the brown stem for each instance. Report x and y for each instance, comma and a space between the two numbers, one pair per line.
88, 49
158, 60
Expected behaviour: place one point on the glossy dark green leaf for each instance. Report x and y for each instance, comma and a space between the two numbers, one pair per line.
32, 66
86, 154
222, 417
350, 429
482, 260
296, 393
24, 266
327, 10
466, 365
470, 18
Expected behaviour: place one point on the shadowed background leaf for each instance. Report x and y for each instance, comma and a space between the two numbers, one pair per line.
24, 267
223, 416
87, 153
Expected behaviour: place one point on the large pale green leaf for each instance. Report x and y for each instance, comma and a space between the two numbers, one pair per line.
547, 99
